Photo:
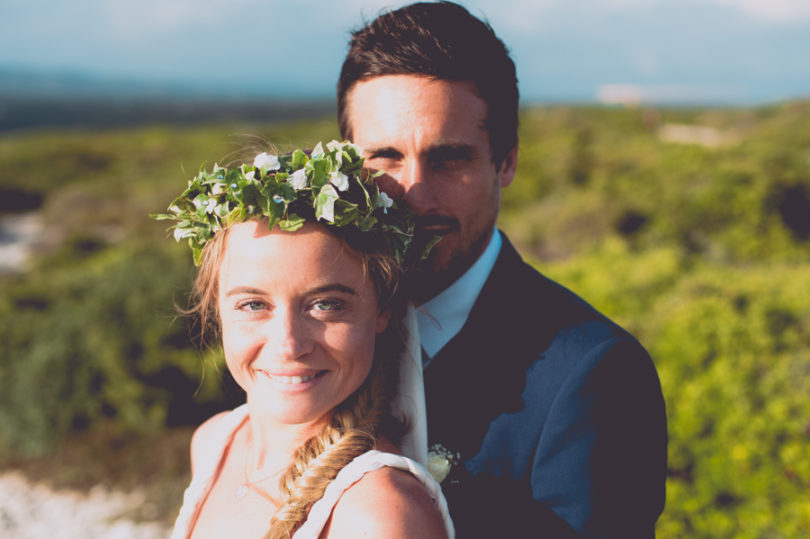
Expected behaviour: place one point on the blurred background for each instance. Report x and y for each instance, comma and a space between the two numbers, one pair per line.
664, 175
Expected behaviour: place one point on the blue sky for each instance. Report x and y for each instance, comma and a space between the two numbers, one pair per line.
733, 51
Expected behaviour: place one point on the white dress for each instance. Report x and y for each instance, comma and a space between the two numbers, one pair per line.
209, 461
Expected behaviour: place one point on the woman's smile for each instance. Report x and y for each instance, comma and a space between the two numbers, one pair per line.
292, 382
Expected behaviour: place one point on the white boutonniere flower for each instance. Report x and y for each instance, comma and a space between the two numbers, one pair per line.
440, 461
266, 161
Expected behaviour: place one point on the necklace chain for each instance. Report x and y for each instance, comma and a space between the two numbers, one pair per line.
248, 484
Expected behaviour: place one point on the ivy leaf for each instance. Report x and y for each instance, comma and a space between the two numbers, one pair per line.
320, 171
299, 159
292, 223
345, 213
325, 204
286, 192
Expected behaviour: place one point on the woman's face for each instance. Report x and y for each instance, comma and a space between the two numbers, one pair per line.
299, 319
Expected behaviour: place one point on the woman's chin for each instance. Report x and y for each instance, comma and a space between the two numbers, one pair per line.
283, 410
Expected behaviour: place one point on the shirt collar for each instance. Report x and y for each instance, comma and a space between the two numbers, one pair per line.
441, 318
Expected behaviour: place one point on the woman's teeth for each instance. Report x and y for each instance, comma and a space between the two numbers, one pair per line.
292, 379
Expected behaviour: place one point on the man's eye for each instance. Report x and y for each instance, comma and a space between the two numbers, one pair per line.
327, 306
450, 157
384, 154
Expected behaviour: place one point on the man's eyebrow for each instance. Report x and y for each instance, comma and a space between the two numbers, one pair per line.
389, 150
451, 151
333, 287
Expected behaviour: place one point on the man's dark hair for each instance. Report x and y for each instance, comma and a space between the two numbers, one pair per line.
441, 40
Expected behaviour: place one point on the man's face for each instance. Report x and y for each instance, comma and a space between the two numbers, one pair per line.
428, 137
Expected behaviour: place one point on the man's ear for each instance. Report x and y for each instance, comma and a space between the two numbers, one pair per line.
506, 173
383, 317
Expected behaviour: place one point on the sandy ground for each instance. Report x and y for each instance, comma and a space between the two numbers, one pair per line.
32, 511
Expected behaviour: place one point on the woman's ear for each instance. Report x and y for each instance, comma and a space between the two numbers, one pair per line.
383, 318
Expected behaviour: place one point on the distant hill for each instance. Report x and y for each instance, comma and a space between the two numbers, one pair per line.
69, 99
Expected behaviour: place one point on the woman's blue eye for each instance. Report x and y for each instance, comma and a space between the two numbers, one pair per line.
252, 306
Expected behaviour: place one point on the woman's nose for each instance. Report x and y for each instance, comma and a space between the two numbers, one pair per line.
287, 337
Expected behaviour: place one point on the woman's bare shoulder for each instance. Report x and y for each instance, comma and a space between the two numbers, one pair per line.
386, 503
201, 440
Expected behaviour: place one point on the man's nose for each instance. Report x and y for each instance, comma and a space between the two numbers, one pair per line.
416, 179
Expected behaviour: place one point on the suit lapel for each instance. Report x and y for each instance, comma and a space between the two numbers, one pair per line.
480, 373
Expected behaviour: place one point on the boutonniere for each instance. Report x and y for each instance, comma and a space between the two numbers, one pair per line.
440, 461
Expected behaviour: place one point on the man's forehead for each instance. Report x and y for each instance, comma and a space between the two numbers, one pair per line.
392, 106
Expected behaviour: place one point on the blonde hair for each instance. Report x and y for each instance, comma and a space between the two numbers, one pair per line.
357, 422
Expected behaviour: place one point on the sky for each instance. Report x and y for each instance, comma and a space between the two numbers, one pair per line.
717, 51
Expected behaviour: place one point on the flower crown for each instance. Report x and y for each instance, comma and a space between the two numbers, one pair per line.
329, 186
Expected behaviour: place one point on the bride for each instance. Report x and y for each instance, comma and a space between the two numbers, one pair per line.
300, 257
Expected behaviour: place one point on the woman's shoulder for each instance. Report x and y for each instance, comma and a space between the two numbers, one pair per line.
206, 436
408, 509
208, 428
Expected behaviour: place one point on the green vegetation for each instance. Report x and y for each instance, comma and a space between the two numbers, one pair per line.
689, 227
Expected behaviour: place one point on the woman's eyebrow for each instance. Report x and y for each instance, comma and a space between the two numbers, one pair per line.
332, 287
243, 290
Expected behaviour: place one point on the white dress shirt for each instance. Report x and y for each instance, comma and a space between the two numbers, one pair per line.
441, 318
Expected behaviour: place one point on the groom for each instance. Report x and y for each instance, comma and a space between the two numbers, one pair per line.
556, 412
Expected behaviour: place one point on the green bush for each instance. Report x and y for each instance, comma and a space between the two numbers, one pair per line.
95, 340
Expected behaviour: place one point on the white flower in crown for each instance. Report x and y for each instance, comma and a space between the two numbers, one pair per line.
298, 179
339, 180
384, 202
326, 204
440, 461
317, 151
180, 233
267, 161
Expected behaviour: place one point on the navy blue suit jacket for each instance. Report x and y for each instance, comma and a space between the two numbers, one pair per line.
557, 413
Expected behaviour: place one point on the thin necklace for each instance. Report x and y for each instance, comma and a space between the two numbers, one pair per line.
248, 484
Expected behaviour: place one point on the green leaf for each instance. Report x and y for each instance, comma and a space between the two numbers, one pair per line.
292, 223
325, 204
299, 159
320, 172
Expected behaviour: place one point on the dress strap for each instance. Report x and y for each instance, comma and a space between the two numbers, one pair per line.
368, 462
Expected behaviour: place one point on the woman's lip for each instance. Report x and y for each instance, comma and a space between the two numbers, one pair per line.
290, 372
